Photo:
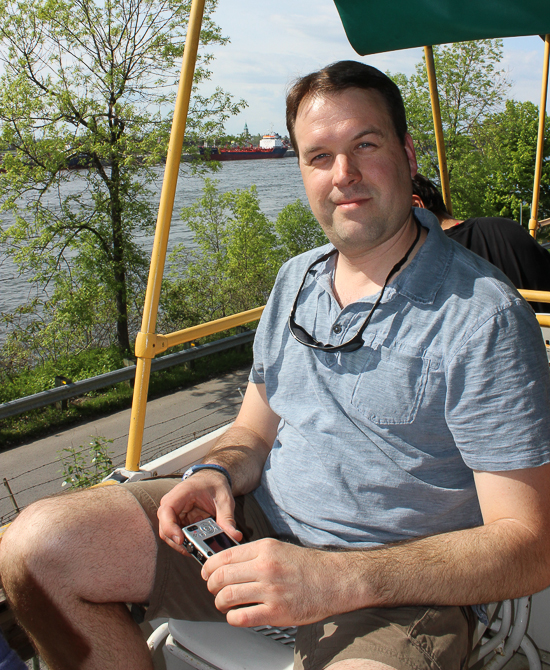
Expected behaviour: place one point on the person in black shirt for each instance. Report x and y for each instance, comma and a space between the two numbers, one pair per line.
501, 241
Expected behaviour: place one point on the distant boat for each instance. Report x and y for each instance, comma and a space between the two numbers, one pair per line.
271, 146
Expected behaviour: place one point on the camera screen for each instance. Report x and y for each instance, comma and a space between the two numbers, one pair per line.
219, 542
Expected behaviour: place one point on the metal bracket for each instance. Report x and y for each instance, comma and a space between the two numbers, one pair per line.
148, 345
121, 475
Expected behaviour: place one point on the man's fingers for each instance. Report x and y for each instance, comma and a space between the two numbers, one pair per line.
233, 558
227, 523
169, 525
247, 617
237, 595
178, 547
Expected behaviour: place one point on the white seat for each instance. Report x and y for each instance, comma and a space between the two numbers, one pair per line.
224, 647
219, 646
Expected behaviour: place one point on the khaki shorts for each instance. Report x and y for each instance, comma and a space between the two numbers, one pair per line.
405, 638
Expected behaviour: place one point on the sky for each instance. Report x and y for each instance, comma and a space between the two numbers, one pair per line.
274, 41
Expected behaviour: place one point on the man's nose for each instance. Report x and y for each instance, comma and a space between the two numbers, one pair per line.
345, 172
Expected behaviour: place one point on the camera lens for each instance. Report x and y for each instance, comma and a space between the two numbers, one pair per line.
192, 528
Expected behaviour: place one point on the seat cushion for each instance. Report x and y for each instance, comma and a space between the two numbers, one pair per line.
230, 648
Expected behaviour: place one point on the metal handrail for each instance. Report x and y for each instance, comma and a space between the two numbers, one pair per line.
538, 296
51, 396
150, 345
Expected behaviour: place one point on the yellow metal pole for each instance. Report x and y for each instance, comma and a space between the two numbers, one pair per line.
438, 128
540, 141
158, 258
535, 296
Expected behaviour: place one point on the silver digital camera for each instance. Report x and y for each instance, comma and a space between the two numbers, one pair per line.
205, 538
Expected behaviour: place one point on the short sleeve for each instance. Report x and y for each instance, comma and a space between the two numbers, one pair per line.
498, 393
256, 375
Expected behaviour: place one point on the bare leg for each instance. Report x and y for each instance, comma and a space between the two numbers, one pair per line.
68, 564
359, 664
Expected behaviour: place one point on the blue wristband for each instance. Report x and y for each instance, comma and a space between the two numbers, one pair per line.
206, 466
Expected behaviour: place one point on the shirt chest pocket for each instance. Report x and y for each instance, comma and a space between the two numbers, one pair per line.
390, 387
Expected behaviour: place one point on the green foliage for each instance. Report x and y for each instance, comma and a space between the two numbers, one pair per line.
90, 84
471, 88
36, 423
508, 140
490, 142
82, 471
234, 265
298, 230
18, 383
239, 251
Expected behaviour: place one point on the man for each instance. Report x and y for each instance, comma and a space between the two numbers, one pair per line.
386, 451
501, 241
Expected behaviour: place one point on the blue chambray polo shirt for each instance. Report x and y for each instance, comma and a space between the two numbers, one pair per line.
378, 445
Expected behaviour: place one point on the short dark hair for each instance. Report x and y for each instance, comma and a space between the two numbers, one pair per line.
428, 192
339, 77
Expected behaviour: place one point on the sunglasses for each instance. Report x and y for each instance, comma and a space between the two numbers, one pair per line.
301, 335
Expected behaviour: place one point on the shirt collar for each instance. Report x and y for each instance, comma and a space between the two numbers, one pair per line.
422, 278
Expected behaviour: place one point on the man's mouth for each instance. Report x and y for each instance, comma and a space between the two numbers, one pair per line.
350, 203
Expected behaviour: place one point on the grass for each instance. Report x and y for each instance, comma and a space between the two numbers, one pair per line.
41, 422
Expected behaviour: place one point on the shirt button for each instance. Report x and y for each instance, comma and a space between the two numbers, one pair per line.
337, 328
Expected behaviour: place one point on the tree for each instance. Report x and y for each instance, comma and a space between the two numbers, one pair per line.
237, 255
91, 84
298, 230
471, 88
234, 264
508, 141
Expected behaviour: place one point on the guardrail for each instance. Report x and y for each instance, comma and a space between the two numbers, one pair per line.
67, 391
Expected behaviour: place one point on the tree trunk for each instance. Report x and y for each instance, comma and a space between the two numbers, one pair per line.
119, 265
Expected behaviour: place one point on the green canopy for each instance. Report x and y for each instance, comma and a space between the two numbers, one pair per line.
373, 26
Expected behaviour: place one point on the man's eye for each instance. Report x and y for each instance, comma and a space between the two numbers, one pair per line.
319, 157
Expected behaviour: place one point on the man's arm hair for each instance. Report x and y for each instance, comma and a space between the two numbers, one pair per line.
244, 447
508, 557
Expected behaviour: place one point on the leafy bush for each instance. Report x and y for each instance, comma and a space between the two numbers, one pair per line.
86, 364
80, 471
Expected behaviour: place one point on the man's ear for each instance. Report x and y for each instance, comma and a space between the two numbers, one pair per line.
417, 202
411, 155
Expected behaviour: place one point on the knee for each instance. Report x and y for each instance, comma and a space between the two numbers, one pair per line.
31, 546
359, 664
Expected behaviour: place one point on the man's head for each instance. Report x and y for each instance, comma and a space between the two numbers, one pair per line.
335, 79
427, 196
355, 156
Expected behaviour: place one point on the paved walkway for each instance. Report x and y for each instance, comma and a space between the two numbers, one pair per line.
34, 470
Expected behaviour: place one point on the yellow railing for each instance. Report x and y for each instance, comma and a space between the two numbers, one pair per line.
538, 296
160, 244
150, 345
438, 129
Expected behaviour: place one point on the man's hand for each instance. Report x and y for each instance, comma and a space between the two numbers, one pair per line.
205, 494
284, 585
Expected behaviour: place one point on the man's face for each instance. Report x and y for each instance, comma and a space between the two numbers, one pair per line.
356, 172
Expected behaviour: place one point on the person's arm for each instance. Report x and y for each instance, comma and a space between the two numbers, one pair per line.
507, 557
242, 450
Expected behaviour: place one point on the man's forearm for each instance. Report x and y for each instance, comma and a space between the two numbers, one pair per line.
243, 453
292, 585
495, 562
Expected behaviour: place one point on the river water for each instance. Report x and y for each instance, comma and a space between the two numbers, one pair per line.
278, 183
